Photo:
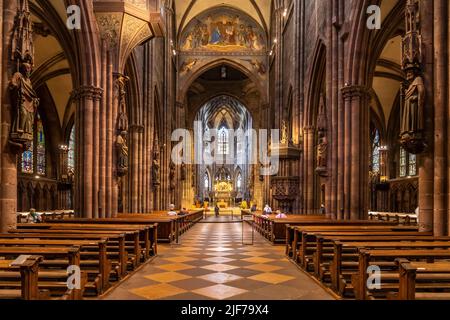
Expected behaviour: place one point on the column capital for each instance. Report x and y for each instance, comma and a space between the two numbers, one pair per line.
352, 91
89, 92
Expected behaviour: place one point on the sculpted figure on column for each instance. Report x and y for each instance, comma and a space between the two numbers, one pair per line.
322, 150
122, 152
172, 175
412, 120
155, 170
26, 101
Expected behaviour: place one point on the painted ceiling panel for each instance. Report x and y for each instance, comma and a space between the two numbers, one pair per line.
202, 5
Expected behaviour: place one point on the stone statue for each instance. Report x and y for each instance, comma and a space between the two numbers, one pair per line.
193, 178
155, 171
322, 148
413, 113
284, 132
172, 175
26, 101
122, 153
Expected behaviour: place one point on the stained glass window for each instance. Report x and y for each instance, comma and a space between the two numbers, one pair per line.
412, 164
71, 152
223, 141
40, 147
403, 162
239, 181
376, 151
206, 181
27, 159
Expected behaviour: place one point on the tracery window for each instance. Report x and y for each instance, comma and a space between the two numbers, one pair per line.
239, 181
34, 158
403, 161
206, 181
376, 145
40, 147
408, 164
223, 141
71, 152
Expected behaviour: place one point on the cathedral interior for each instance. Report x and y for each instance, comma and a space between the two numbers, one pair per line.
98, 96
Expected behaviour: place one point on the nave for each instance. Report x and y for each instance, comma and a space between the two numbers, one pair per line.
211, 263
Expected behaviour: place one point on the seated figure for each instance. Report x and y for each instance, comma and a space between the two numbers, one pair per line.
172, 211
280, 215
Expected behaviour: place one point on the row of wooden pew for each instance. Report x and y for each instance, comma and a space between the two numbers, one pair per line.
400, 218
367, 260
274, 229
105, 250
104, 253
47, 215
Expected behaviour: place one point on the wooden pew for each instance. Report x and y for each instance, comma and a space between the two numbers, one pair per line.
143, 232
422, 280
98, 271
28, 271
322, 248
369, 257
148, 237
56, 288
116, 250
299, 250
292, 239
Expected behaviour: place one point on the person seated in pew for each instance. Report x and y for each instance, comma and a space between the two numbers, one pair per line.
172, 211
253, 208
267, 210
322, 210
280, 215
183, 212
35, 218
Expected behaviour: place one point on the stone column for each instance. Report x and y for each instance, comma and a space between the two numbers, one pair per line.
309, 150
440, 116
87, 97
426, 160
356, 151
8, 159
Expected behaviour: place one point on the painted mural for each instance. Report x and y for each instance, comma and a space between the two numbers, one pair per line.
223, 29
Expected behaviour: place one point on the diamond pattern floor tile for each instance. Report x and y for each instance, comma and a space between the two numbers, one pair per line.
220, 291
210, 262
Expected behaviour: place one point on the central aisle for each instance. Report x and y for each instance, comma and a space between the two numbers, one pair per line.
211, 263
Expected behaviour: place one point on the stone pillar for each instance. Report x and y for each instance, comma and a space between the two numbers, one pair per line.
356, 151
440, 116
87, 97
426, 160
309, 151
8, 159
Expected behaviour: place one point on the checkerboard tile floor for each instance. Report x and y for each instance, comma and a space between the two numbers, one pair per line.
211, 263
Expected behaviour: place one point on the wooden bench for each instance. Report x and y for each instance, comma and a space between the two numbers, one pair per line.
300, 234
56, 286
423, 281
141, 232
321, 250
28, 271
386, 258
93, 258
116, 249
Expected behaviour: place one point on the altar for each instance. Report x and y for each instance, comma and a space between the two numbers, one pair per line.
222, 194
